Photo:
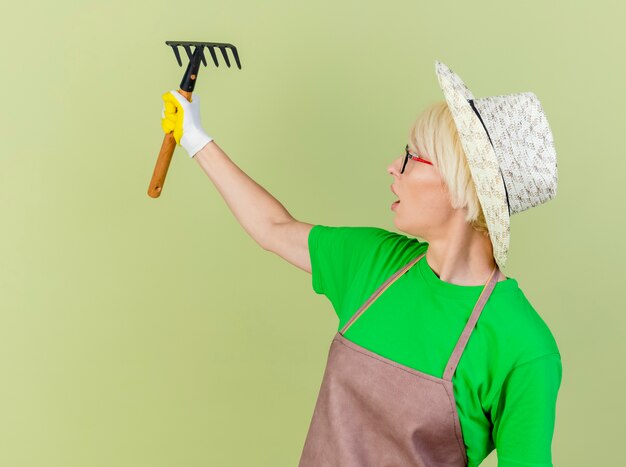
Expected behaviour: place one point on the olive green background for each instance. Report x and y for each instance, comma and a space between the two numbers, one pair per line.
140, 332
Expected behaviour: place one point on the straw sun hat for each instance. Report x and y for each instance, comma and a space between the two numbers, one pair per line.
509, 149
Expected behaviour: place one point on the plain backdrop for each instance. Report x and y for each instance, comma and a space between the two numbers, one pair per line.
141, 332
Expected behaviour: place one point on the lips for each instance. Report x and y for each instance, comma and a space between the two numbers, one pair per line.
395, 203
393, 191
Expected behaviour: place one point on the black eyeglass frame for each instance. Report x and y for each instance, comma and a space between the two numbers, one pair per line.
414, 157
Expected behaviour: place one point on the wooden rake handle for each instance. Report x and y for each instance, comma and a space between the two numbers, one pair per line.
164, 159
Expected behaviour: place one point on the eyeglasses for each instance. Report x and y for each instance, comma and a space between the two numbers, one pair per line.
414, 157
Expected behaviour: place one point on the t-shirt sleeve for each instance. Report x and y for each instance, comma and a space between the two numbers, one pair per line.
342, 256
525, 413
337, 254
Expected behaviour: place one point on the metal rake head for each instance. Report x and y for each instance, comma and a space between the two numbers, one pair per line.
199, 46
191, 74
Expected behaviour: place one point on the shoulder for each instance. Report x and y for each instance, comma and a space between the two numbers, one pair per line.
524, 358
521, 327
374, 240
350, 262
350, 232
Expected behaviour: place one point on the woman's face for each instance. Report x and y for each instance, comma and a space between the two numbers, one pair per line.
424, 207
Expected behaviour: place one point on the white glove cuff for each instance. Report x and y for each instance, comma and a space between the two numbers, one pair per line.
193, 141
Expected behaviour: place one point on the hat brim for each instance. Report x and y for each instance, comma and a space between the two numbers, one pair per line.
482, 160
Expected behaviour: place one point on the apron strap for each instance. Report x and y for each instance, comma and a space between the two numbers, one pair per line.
378, 292
469, 327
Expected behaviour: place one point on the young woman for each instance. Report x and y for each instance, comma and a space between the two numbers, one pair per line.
405, 385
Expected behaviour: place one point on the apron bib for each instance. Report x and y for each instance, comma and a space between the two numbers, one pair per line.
374, 412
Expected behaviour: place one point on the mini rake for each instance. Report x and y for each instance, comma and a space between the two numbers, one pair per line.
186, 89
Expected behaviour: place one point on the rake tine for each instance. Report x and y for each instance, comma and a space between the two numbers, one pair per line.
209, 45
188, 50
213, 56
175, 48
234, 49
223, 49
202, 54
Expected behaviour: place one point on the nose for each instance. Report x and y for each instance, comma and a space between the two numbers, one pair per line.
394, 167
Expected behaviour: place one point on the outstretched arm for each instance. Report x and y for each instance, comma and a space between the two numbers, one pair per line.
261, 215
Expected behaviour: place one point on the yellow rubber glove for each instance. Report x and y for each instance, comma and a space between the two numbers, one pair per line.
183, 118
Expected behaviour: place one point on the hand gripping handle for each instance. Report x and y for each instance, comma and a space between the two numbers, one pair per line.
164, 159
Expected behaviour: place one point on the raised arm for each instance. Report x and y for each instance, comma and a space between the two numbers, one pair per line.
260, 214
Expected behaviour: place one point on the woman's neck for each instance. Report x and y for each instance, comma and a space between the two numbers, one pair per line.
463, 257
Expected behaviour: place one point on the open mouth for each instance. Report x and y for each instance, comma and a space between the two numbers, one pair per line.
395, 203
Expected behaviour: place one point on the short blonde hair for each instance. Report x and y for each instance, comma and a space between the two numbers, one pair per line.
434, 134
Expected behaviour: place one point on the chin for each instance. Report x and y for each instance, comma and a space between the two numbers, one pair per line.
407, 229
399, 225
